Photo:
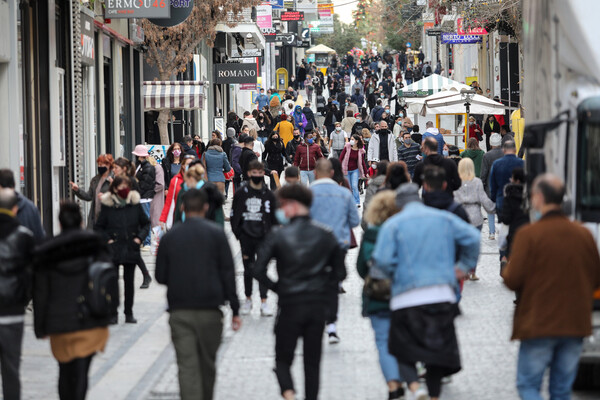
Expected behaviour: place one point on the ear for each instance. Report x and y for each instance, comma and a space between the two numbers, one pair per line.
205, 208
444, 185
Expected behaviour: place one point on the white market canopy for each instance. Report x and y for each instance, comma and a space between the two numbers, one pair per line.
451, 101
320, 49
173, 95
430, 85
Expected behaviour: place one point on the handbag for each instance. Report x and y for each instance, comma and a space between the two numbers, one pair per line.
353, 243
229, 175
377, 286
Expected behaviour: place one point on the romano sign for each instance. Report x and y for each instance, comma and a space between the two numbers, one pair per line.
231, 73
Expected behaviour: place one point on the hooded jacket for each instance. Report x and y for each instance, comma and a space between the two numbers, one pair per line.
251, 123
452, 178
216, 163
61, 273
146, 176
443, 200
311, 122
306, 156
16, 258
253, 211
300, 120
435, 133
122, 221
472, 196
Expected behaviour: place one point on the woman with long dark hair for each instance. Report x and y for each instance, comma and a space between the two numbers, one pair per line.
274, 155
396, 175
171, 163
353, 164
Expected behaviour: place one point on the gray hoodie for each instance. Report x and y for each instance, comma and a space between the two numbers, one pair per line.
472, 196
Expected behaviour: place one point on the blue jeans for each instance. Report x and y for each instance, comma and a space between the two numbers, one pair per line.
146, 208
262, 139
353, 178
381, 325
409, 82
307, 177
492, 223
560, 354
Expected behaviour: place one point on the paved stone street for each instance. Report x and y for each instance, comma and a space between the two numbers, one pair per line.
139, 361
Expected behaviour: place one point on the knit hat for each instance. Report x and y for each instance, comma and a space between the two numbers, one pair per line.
230, 132
495, 140
406, 193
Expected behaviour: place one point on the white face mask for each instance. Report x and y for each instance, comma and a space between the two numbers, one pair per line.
352, 142
338, 128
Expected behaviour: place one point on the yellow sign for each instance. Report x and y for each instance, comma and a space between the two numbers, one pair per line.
470, 79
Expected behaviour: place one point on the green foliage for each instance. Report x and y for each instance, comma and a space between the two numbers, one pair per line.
343, 38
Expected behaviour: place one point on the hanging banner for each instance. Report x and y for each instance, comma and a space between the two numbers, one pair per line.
453, 38
230, 73
264, 18
87, 40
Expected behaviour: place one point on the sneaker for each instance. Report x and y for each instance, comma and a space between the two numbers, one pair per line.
473, 277
446, 380
420, 394
146, 283
246, 307
265, 310
492, 236
333, 338
145, 248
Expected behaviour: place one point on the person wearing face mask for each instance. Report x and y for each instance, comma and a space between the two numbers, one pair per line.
171, 163
353, 164
274, 155
382, 145
98, 186
146, 177
337, 140
310, 263
333, 115
167, 217
475, 130
554, 265
285, 129
512, 212
252, 216
292, 146
306, 158
124, 225
408, 152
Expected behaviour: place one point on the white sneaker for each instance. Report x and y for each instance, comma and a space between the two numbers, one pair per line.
265, 310
333, 338
246, 307
420, 394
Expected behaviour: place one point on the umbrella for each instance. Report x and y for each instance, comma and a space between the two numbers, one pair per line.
320, 49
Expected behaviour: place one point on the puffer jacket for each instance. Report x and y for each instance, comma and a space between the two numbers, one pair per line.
122, 222
146, 177
61, 272
16, 257
310, 262
216, 163
472, 196
306, 156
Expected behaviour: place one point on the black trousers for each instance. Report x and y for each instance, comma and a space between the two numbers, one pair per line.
128, 286
433, 378
143, 267
294, 321
73, 378
249, 247
11, 339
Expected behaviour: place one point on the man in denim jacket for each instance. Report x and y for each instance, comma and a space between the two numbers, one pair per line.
417, 250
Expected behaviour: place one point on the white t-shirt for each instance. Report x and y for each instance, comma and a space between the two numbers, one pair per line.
424, 295
258, 148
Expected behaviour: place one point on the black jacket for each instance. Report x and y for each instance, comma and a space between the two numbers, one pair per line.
290, 149
146, 177
29, 216
247, 156
310, 262
166, 166
311, 122
90, 196
512, 213
253, 211
227, 143
16, 258
443, 200
449, 166
122, 223
60, 277
194, 261
187, 150
330, 113
274, 150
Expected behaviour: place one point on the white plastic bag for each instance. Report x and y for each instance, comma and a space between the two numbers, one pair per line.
157, 233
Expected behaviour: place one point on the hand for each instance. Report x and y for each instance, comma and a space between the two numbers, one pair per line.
236, 323
460, 274
111, 241
74, 186
109, 179
273, 172
163, 226
138, 241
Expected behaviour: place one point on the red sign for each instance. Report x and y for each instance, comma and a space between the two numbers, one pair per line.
247, 86
472, 31
292, 16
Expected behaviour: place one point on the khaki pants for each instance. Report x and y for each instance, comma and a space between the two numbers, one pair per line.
196, 335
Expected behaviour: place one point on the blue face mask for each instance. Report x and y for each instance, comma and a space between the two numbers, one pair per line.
445, 153
537, 215
310, 141
183, 216
281, 217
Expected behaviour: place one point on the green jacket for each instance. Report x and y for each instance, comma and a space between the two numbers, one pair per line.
367, 246
476, 156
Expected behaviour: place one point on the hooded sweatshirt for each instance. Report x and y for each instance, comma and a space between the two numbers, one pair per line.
435, 133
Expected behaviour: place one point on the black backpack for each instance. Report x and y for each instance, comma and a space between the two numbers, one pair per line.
101, 294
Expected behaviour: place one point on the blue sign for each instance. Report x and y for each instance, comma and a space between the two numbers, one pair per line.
276, 4
408, 44
454, 38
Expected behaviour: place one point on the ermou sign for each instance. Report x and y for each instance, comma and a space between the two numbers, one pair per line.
232, 73
163, 13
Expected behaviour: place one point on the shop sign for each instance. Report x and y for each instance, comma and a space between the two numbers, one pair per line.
246, 53
434, 32
248, 86
276, 4
268, 31
453, 38
137, 9
473, 31
180, 10
305, 35
230, 73
304, 44
264, 17
88, 52
292, 16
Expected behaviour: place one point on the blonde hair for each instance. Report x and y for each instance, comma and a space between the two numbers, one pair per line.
253, 134
366, 133
195, 172
381, 207
466, 169
152, 161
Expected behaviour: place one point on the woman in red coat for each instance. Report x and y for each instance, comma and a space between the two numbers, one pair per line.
166, 217
474, 129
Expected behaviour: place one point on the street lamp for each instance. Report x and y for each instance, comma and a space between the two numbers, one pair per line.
467, 95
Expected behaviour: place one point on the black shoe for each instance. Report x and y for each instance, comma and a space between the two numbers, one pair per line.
129, 319
114, 320
396, 394
341, 290
146, 283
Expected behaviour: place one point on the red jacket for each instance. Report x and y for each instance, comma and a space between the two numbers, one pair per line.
174, 188
306, 156
472, 133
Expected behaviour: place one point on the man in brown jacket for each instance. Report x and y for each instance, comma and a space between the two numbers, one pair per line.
555, 268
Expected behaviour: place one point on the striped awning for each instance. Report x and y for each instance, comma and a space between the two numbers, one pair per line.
430, 85
173, 95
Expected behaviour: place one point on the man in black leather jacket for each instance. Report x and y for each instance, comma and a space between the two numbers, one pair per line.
310, 263
16, 254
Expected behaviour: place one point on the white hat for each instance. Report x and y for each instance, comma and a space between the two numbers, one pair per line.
495, 140
140, 151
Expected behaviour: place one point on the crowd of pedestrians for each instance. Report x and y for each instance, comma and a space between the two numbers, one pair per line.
294, 187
